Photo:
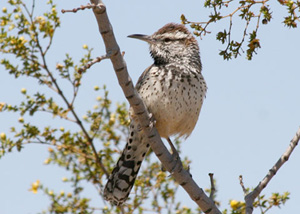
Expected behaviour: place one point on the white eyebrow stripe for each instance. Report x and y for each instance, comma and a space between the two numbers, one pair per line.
177, 35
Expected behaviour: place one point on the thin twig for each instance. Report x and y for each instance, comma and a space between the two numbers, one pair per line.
242, 184
258, 19
229, 34
82, 7
38, 142
33, 6
75, 91
244, 36
51, 112
212, 186
91, 63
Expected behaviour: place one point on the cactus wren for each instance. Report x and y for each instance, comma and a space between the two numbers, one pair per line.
173, 90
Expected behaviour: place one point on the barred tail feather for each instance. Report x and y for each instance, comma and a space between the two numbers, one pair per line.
122, 178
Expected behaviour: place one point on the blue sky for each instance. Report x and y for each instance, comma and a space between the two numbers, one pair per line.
251, 112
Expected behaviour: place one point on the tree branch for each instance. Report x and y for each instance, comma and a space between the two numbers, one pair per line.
212, 186
61, 94
174, 167
249, 198
89, 64
242, 184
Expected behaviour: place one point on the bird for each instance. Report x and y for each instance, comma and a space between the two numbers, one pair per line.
173, 90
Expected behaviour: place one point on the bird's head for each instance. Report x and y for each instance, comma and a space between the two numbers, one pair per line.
172, 43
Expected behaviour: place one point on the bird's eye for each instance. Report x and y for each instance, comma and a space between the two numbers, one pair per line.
167, 39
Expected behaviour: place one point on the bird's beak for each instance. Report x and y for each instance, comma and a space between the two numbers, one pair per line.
142, 37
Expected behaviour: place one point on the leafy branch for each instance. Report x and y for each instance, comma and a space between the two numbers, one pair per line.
248, 11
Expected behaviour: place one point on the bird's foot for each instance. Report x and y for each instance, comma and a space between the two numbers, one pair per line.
175, 156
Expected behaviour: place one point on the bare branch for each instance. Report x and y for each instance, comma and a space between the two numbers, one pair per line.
242, 184
89, 64
181, 176
82, 7
212, 188
249, 198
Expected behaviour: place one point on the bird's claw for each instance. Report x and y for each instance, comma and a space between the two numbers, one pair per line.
152, 120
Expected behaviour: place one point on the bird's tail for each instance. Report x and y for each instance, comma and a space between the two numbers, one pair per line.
122, 178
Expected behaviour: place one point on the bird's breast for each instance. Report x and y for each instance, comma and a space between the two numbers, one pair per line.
174, 98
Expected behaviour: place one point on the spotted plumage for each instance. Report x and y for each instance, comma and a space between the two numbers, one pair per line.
173, 89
